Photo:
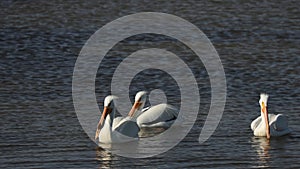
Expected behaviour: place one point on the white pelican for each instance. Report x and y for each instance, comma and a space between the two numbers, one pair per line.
269, 124
123, 129
161, 115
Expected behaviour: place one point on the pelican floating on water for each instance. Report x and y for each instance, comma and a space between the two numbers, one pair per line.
115, 130
161, 115
269, 124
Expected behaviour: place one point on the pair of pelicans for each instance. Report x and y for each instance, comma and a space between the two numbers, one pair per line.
124, 129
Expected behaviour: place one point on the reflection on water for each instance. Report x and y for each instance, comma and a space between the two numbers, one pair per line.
104, 157
271, 152
149, 132
262, 147
152, 143
39, 44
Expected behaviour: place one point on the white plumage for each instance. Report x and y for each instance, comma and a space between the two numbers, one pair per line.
120, 129
269, 124
161, 115
115, 130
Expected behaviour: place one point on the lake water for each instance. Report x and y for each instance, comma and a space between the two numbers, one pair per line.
258, 43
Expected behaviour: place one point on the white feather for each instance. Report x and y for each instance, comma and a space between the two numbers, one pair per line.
263, 98
160, 115
140, 95
278, 123
109, 99
119, 129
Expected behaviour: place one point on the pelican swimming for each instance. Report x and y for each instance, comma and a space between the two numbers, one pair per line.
269, 124
161, 115
115, 130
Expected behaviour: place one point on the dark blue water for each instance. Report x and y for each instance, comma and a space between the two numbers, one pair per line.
258, 43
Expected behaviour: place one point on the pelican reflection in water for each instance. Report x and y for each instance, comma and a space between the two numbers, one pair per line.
262, 147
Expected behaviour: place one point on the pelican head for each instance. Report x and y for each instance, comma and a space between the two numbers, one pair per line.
263, 99
109, 101
140, 96
109, 106
264, 112
139, 102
